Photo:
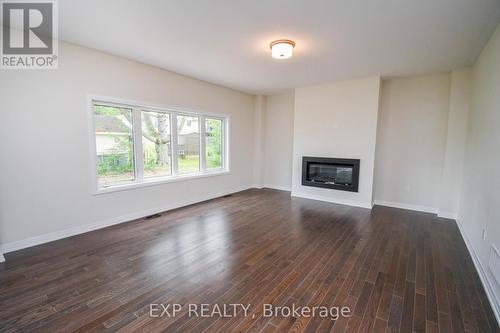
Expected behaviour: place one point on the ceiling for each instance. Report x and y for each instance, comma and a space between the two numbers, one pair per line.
227, 41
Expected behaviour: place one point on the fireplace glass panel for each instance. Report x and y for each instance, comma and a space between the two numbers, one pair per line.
330, 173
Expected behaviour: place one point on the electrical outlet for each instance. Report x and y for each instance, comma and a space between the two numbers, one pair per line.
484, 233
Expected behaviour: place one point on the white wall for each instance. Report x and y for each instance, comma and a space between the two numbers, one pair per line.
480, 199
337, 120
451, 182
45, 172
411, 141
278, 138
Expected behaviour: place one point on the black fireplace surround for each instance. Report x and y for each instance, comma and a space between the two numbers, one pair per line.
334, 173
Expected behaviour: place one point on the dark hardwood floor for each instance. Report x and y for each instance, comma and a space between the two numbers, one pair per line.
397, 270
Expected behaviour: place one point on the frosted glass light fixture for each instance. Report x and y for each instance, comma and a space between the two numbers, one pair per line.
282, 48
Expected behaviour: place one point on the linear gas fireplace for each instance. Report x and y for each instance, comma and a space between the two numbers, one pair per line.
335, 173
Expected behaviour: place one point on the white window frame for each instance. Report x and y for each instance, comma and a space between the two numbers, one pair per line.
137, 108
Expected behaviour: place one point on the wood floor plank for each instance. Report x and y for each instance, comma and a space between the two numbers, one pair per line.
407, 315
444, 323
380, 326
431, 308
419, 322
369, 318
394, 322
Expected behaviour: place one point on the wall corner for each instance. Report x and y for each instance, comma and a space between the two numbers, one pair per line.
258, 142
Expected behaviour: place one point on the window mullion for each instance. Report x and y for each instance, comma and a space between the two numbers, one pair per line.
138, 149
202, 130
173, 131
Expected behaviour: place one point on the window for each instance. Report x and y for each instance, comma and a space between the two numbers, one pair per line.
136, 145
114, 145
213, 143
188, 143
156, 144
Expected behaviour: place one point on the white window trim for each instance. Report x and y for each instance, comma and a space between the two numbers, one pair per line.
140, 181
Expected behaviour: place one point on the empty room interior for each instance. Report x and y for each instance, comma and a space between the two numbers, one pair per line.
250, 166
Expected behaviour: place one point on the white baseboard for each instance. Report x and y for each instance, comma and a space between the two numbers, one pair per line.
487, 284
49, 237
401, 205
332, 200
447, 215
2, 258
278, 187
257, 186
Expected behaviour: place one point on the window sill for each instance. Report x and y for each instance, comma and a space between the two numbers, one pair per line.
160, 181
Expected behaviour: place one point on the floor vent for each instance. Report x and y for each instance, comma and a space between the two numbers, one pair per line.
152, 216
494, 263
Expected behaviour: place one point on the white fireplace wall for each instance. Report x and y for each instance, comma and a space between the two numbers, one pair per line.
419, 146
337, 120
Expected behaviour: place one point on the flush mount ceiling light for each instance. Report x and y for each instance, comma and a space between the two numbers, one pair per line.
282, 48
